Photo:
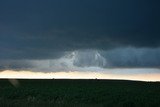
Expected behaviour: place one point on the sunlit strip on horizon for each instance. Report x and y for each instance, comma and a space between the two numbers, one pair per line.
77, 75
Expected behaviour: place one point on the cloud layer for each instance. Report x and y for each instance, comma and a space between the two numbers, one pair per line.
90, 60
103, 34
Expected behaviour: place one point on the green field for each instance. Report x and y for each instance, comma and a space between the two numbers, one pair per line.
79, 93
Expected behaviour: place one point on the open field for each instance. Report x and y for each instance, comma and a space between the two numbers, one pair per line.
79, 93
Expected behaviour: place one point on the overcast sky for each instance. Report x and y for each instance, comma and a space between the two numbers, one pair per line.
81, 35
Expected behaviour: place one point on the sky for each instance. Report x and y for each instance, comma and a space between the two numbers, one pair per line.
107, 37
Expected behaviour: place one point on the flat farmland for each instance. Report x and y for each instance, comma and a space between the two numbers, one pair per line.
79, 93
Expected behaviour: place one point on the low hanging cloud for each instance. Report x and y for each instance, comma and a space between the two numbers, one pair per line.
88, 58
120, 58
133, 57
91, 60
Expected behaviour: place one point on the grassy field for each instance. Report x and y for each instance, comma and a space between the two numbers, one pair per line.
79, 93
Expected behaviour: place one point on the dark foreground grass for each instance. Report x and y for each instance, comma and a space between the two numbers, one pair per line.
79, 93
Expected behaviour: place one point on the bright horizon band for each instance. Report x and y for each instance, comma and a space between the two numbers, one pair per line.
78, 75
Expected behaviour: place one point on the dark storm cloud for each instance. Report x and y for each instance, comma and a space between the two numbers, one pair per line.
47, 29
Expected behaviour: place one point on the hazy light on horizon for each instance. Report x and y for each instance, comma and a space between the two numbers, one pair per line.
77, 75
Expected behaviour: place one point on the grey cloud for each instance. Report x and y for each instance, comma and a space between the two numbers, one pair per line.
91, 60
128, 57
15, 65
88, 58
133, 57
